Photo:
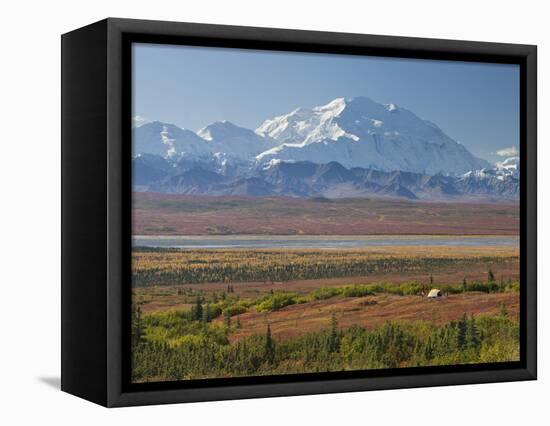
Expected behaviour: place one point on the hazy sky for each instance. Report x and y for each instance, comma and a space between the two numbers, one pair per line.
474, 103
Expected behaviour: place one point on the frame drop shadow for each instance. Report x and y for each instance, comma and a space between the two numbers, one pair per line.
53, 382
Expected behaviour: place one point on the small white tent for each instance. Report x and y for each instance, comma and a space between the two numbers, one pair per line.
434, 293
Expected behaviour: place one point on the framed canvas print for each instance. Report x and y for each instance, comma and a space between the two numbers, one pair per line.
253, 212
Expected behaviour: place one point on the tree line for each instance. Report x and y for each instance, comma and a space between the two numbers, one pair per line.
203, 266
174, 346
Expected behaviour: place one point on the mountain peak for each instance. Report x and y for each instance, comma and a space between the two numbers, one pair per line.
511, 162
139, 120
166, 140
509, 167
300, 112
336, 106
234, 141
304, 126
359, 132
220, 129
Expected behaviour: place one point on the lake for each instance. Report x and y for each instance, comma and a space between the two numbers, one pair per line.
317, 241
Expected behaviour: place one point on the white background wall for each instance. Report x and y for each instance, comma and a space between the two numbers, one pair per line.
30, 211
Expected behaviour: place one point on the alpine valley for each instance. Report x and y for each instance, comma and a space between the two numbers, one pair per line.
347, 148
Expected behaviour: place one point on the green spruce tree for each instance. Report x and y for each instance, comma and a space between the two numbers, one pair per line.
227, 318
473, 339
206, 313
197, 311
137, 326
333, 340
503, 311
269, 348
461, 330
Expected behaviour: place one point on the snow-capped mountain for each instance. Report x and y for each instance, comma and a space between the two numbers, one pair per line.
166, 140
221, 140
346, 148
303, 126
509, 167
499, 181
355, 132
234, 141
359, 132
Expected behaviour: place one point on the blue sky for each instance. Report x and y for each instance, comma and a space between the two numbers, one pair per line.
474, 103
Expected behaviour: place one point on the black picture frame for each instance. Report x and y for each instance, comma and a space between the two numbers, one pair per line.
96, 205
